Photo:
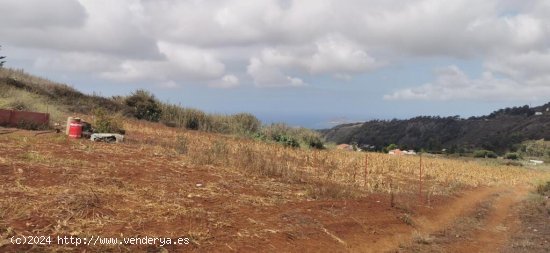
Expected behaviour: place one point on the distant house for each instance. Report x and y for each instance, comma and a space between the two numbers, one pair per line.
538, 113
401, 152
536, 162
395, 152
345, 147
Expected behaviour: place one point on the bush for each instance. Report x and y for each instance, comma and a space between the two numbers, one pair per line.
245, 124
181, 145
291, 136
538, 148
261, 136
106, 124
1, 60
314, 142
512, 156
485, 154
189, 118
144, 105
195, 120
288, 141
241, 124
389, 148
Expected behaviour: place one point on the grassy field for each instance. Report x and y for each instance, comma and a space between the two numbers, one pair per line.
224, 193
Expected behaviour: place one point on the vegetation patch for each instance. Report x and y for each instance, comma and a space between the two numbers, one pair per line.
104, 123
544, 189
485, 154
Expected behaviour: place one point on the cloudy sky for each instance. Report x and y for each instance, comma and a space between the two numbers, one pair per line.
306, 62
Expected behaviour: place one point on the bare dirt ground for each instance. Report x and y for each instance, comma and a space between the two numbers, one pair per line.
484, 223
54, 186
533, 233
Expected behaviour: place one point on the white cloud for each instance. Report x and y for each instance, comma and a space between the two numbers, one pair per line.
525, 66
278, 42
453, 84
169, 85
181, 63
267, 75
76, 62
332, 54
227, 81
336, 54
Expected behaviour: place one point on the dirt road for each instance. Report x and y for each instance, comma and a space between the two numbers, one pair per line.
479, 221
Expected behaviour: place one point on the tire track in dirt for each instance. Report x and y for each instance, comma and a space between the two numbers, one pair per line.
443, 218
498, 226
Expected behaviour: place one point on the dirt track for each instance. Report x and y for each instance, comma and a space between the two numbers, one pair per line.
480, 221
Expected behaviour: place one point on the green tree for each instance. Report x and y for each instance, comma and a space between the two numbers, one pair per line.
144, 105
390, 148
1, 59
512, 156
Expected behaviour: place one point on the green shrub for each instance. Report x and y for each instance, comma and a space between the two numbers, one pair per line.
288, 141
189, 118
179, 116
308, 138
1, 60
389, 148
512, 156
538, 148
244, 123
104, 123
314, 142
260, 136
484, 154
195, 120
291, 136
144, 105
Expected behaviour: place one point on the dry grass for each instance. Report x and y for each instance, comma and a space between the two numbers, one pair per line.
26, 88
332, 173
173, 183
16, 99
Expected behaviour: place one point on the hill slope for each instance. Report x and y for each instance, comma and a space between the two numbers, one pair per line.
499, 131
22, 91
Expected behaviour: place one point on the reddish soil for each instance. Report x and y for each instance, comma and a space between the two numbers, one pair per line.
51, 186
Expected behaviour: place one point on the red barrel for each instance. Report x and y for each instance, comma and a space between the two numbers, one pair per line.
75, 129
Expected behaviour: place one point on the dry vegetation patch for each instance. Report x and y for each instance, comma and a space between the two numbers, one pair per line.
223, 192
